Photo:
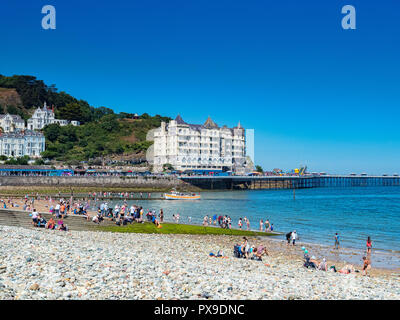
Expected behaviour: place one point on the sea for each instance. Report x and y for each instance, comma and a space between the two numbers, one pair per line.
316, 214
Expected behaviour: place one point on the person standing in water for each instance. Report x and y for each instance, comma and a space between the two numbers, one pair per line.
369, 245
266, 225
240, 223
337, 242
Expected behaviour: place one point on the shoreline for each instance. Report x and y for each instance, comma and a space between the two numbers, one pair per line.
278, 247
343, 256
53, 265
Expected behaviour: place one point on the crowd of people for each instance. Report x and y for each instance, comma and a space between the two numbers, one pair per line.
312, 262
39, 221
123, 214
123, 195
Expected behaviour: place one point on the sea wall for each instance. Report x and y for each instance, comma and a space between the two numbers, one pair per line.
92, 181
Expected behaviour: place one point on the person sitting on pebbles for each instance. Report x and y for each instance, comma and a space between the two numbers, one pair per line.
259, 251
51, 224
41, 221
155, 221
323, 266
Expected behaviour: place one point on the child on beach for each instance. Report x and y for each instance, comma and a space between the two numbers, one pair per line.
366, 265
240, 223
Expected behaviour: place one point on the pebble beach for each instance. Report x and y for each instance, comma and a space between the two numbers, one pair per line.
53, 265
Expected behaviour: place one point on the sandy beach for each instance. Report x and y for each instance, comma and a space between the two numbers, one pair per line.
41, 205
47, 264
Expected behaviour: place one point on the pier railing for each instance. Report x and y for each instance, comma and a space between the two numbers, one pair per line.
289, 182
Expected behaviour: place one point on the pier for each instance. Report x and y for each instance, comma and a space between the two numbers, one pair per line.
288, 182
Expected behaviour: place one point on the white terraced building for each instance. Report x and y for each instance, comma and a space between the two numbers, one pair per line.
22, 143
206, 147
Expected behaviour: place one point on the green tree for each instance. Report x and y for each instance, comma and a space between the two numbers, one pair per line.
52, 132
259, 169
39, 162
168, 167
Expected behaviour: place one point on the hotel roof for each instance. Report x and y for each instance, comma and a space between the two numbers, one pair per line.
209, 124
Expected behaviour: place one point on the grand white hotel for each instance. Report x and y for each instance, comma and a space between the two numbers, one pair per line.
194, 147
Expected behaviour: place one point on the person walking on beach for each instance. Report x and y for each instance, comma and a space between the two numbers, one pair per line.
248, 223
294, 237
337, 242
161, 215
261, 224
240, 223
369, 245
366, 265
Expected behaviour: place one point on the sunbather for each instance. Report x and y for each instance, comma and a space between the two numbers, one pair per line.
348, 268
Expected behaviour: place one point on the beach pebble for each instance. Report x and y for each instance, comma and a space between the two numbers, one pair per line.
43, 264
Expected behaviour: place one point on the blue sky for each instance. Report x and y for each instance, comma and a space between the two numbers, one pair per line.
314, 93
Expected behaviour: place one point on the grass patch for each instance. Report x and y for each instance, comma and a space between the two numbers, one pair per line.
173, 228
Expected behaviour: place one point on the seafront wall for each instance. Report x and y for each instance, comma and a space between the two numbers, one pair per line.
92, 181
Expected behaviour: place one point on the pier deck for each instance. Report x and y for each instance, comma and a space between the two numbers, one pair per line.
289, 182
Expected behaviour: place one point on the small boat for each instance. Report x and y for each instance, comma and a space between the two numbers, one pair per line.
175, 195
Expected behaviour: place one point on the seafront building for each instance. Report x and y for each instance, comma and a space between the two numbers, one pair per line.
16, 140
11, 122
199, 147
22, 143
